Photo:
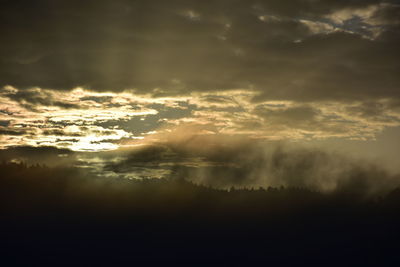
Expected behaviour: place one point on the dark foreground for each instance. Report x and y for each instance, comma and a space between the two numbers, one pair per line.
59, 217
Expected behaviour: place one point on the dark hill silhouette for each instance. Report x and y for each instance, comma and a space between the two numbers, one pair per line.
63, 216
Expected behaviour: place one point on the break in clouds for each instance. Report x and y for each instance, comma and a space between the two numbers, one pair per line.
83, 120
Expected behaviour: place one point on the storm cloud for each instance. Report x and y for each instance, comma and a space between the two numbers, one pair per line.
287, 50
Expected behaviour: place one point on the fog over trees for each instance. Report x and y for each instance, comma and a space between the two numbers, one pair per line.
49, 214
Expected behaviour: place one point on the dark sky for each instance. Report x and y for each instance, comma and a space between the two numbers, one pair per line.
302, 50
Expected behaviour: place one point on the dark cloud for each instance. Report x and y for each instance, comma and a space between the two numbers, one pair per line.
150, 157
11, 132
4, 123
38, 155
388, 14
292, 116
373, 111
181, 46
336, 66
6, 112
99, 99
60, 132
33, 97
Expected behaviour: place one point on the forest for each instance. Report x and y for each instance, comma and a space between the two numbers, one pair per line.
65, 216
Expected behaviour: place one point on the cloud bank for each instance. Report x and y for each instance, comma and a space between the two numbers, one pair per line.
83, 120
299, 50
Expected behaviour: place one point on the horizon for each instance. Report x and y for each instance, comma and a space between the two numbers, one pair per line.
221, 94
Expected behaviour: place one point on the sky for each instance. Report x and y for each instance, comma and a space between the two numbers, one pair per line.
150, 84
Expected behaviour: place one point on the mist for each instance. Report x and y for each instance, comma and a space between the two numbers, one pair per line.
226, 162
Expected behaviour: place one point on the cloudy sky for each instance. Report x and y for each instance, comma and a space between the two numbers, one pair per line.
92, 76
